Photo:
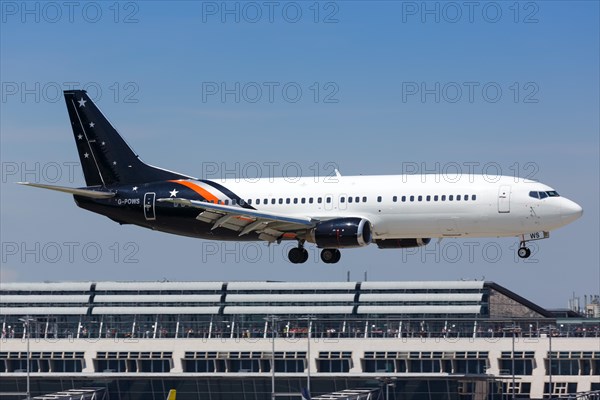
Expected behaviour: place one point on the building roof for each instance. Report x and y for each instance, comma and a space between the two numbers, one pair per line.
406, 299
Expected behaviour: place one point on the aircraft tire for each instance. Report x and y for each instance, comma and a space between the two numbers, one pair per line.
330, 256
524, 252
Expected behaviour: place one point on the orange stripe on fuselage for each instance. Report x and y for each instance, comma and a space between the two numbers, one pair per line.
201, 191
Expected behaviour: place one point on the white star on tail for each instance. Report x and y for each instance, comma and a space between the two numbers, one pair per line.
173, 193
80, 136
86, 155
82, 102
135, 188
92, 124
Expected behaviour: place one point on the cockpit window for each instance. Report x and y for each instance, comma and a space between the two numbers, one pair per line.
543, 195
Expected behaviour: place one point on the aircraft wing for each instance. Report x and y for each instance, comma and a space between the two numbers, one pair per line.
270, 226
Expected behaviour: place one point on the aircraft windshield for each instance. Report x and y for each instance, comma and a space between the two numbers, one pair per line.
543, 195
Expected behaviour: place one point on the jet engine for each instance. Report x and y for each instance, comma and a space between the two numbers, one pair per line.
342, 232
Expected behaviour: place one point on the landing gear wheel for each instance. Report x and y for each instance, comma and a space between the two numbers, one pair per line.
524, 252
330, 256
298, 255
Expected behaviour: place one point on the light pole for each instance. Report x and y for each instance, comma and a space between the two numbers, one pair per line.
273, 318
26, 321
513, 361
308, 318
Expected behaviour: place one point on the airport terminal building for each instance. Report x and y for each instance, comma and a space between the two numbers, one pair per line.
214, 340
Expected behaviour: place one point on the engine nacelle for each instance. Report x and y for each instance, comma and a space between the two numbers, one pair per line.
402, 243
342, 232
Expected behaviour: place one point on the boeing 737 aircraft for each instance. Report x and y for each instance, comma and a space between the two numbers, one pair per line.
392, 211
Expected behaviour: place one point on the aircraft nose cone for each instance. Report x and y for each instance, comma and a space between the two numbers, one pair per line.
570, 211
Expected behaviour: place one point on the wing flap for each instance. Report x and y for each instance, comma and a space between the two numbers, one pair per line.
270, 226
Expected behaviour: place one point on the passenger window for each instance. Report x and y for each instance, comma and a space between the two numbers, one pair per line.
295, 200
272, 201
403, 199
249, 202
450, 198
233, 202
328, 200
226, 202
428, 198
474, 197
303, 200
342, 200
395, 199
287, 201
357, 199
319, 200
364, 199
435, 198
280, 200
420, 198
443, 197
379, 199
466, 197
349, 199
310, 200
543, 195
458, 197
412, 198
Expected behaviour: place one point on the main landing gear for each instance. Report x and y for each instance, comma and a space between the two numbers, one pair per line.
330, 256
299, 255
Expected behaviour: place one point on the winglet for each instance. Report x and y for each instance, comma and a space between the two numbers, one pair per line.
94, 194
172, 394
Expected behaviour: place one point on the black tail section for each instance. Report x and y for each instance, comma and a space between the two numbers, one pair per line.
105, 157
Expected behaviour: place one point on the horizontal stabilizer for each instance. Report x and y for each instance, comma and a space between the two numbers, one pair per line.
94, 194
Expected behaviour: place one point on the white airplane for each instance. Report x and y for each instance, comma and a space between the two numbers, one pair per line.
392, 211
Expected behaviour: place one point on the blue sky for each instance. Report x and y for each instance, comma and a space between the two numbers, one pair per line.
357, 67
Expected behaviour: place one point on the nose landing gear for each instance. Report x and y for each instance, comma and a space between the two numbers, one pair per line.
523, 252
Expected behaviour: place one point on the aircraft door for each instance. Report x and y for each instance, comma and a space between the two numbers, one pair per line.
504, 199
149, 200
